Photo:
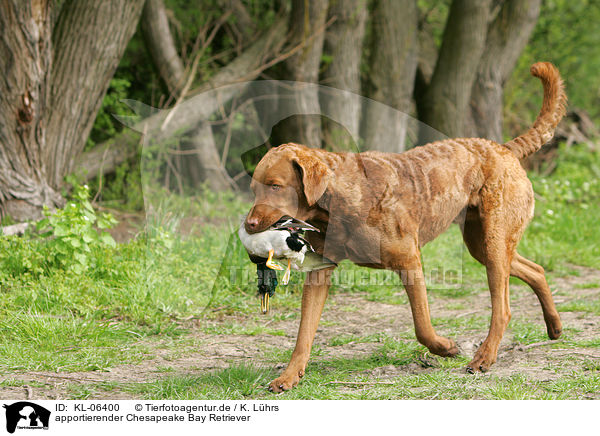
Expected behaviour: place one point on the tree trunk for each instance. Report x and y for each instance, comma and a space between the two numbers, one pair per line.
507, 36
161, 45
52, 88
307, 20
446, 101
343, 44
209, 166
25, 61
89, 41
392, 64
205, 164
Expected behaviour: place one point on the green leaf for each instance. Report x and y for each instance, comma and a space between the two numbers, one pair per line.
61, 230
81, 258
42, 224
73, 242
107, 239
88, 237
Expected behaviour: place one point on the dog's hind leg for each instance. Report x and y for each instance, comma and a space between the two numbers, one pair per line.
520, 267
533, 274
491, 236
497, 264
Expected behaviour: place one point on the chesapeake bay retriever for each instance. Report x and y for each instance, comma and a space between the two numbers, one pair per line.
378, 210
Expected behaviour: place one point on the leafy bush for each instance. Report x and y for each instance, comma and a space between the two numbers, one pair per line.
73, 232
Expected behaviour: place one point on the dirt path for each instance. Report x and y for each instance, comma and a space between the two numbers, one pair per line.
345, 315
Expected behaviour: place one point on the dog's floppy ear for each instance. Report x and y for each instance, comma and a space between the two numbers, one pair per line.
315, 175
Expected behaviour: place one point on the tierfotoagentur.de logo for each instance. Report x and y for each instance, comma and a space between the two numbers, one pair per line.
24, 415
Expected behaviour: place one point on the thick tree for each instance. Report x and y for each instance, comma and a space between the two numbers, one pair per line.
306, 28
54, 78
344, 46
506, 38
445, 102
392, 67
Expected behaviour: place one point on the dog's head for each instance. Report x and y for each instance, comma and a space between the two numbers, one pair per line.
288, 180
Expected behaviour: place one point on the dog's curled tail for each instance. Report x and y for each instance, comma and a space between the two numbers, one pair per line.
553, 109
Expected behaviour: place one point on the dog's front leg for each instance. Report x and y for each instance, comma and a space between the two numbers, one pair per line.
407, 263
314, 295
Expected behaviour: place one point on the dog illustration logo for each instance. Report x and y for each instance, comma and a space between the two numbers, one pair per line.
26, 415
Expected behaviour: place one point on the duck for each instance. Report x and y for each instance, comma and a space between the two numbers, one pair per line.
283, 240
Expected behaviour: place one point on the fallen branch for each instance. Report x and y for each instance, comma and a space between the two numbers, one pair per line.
537, 344
527, 347
29, 391
566, 351
14, 229
63, 377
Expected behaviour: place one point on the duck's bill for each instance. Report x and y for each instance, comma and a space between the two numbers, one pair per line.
264, 303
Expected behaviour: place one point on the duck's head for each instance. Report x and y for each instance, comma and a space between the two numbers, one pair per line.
288, 180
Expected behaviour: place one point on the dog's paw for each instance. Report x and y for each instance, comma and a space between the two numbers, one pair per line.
554, 327
286, 381
480, 364
444, 347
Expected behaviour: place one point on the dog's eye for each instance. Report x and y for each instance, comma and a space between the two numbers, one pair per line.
275, 187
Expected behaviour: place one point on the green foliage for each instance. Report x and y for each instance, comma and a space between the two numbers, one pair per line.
123, 188
565, 220
73, 233
566, 35
106, 126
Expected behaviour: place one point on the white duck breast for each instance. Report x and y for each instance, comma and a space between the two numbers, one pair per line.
259, 244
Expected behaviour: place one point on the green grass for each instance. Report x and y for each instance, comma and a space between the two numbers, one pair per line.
231, 328
587, 305
331, 380
235, 383
565, 228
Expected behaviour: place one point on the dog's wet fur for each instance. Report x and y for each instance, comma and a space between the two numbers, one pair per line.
378, 209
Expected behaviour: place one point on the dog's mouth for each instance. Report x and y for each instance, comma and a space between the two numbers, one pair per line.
261, 224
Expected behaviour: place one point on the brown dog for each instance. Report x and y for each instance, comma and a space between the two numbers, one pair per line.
378, 209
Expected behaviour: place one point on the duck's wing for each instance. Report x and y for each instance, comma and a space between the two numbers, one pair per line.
313, 262
289, 223
308, 246
294, 242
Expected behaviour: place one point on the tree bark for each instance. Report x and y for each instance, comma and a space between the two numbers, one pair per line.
507, 36
393, 64
25, 63
446, 101
89, 41
161, 45
307, 20
343, 44
52, 88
